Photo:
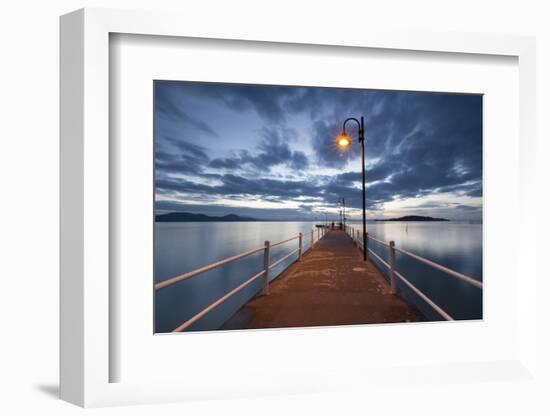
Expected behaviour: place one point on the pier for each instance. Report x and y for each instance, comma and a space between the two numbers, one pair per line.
328, 283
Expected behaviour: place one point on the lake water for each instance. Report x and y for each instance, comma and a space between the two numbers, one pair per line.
185, 246
456, 245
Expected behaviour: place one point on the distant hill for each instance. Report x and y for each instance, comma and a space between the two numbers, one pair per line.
189, 217
415, 218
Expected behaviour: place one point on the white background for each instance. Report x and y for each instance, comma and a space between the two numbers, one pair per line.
137, 60
29, 209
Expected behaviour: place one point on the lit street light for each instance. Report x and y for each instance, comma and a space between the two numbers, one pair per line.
344, 141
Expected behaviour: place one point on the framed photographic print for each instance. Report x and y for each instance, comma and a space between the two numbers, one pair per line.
259, 203
277, 213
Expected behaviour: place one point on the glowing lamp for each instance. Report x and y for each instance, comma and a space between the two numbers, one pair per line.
343, 140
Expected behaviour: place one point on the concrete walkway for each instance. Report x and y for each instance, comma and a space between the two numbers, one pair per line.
332, 285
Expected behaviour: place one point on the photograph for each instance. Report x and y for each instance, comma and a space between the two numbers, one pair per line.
287, 206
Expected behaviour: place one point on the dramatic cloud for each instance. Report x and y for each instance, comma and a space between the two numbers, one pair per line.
275, 148
184, 157
168, 108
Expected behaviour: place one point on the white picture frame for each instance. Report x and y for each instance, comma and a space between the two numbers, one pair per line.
86, 356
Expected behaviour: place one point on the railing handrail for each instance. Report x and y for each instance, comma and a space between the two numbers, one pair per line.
212, 306
458, 275
433, 264
380, 259
172, 281
285, 241
474, 282
181, 277
271, 266
426, 299
265, 272
379, 241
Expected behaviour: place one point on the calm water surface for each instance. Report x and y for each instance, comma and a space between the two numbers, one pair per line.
185, 246
456, 245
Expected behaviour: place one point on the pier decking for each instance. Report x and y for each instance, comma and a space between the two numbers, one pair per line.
331, 285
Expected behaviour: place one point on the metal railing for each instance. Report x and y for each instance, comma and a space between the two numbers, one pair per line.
321, 231
394, 274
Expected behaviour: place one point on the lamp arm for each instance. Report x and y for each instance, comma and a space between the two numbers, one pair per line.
350, 119
359, 126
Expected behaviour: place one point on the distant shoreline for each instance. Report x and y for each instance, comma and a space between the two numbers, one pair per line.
190, 217
415, 218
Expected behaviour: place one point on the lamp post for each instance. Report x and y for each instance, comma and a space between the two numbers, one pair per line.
340, 213
344, 141
344, 212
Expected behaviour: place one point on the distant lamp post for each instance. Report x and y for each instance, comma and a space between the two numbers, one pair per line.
341, 213
344, 141
344, 212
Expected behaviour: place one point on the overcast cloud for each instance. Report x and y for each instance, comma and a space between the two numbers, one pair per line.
270, 152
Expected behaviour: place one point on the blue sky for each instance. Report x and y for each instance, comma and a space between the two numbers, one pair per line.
270, 152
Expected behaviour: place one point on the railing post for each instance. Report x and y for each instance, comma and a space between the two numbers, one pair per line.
265, 290
312, 237
393, 283
300, 247
317, 233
